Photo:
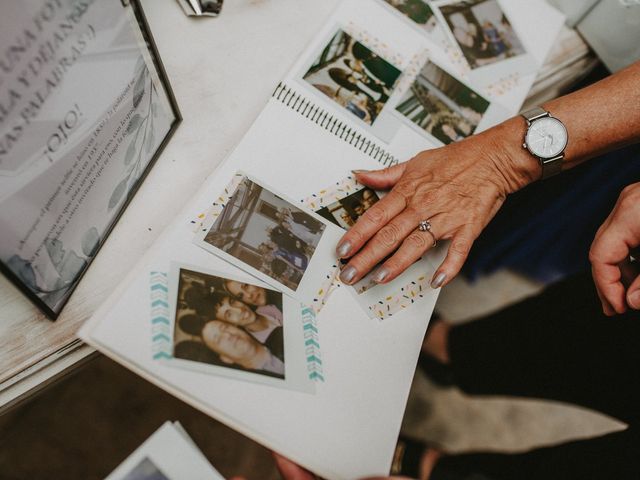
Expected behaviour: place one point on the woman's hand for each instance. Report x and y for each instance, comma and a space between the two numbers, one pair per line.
609, 255
457, 188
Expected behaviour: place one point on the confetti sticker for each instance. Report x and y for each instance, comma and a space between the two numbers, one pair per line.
405, 297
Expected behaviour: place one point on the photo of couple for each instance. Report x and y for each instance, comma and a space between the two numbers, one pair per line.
346, 211
481, 30
267, 233
228, 323
442, 105
353, 76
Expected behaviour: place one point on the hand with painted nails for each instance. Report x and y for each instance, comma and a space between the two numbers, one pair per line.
460, 187
449, 193
616, 279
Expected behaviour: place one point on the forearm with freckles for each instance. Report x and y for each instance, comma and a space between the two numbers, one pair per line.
599, 118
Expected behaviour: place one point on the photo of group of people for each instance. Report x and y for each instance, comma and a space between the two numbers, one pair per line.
267, 233
228, 323
481, 30
346, 211
353, 76
418, 11
442, 105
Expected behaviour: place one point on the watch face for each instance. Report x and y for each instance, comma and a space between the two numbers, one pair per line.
546, 137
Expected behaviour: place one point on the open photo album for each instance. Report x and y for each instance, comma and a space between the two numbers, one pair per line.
237, 308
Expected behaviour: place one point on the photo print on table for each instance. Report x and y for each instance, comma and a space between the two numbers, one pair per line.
353, 76
145, 470
481, 30
228, 323
266, 232
268, 236
442, 106
418, 11
346, 211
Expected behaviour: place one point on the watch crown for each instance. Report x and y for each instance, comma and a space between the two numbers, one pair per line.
524, 145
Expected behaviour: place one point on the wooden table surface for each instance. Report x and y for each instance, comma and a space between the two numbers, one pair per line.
222, 71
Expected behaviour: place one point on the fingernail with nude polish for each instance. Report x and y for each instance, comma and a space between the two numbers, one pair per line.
343, 249
356, 172
634, 300
348, 274
380, 275
438, 280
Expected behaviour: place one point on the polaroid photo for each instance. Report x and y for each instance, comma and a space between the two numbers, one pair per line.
236, 328
481, 30
418, 13
342, 204
271, 238
168, 454
353, 76
445, 108
344, 212
485, 37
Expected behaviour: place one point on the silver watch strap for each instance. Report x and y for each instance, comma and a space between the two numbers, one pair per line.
550, 166
534, 114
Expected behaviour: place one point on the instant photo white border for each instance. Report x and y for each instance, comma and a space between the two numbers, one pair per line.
494, 114
320, 264
295, 359
378, 127
381, 293
173, 453
436, 36
522, 64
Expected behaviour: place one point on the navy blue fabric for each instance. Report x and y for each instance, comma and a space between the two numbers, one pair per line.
546, 229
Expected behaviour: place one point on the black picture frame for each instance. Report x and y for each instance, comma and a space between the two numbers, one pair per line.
145, 31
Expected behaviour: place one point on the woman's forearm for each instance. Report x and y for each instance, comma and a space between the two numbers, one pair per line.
599, 118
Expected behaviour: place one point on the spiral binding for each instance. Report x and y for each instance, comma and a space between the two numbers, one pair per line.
295, 101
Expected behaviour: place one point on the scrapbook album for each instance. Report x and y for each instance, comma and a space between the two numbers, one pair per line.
236, 308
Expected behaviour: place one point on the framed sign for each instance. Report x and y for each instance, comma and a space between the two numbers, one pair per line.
85, 109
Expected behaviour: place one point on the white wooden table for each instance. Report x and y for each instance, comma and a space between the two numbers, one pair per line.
222, 71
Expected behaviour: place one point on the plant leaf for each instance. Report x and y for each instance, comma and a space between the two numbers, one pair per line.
90, 242
131, 152
71, 267
118, 193
24, 271
134, 123
55, 249
150, 141
138, 89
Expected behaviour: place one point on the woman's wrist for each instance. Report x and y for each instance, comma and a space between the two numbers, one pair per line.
514, 163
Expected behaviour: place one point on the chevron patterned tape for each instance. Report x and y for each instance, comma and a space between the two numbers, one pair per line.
160, 323
312, 344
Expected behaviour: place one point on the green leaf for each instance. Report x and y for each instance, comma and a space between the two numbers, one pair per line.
131, 152
71, 266
134, 123
150, 141
90, 242
55, 249
118, 193
138, 89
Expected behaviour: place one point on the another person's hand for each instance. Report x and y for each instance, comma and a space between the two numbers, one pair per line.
291, 471
609, 255
457, 188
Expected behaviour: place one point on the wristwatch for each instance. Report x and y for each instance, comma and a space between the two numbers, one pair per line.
546, 139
